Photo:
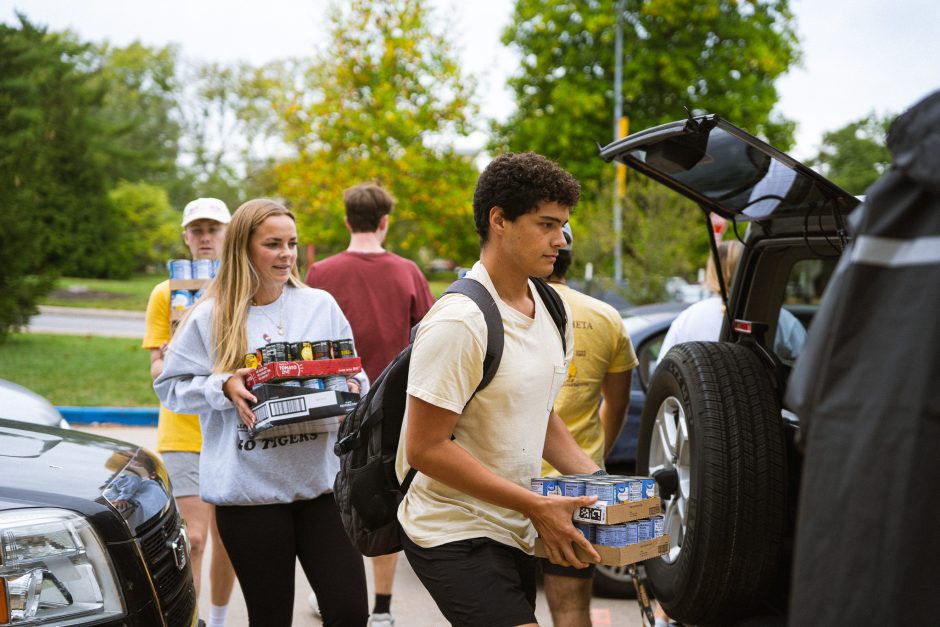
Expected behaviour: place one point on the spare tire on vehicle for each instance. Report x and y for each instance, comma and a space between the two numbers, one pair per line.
711, 431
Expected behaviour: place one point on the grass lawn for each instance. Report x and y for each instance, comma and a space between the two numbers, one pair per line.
78, 370
130, 294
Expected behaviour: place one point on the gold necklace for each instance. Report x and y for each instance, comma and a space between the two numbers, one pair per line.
279, 324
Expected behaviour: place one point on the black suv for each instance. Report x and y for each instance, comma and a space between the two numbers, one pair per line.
88, 533
714, 430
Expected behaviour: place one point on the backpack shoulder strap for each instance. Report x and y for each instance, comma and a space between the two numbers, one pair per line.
555, 306
475, 291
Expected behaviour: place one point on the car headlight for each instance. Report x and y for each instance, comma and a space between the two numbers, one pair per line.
54, 568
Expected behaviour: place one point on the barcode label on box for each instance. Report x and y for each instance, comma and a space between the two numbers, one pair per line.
287, 406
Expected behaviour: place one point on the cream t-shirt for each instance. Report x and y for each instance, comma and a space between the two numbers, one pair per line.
503, 426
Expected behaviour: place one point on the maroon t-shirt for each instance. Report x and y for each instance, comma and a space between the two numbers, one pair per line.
381, 294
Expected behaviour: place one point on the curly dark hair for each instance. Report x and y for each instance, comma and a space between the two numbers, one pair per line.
517, 183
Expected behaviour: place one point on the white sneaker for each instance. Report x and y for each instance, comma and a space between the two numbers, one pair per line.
382, 620
312, 600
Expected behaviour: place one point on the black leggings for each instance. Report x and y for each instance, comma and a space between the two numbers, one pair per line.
263, 542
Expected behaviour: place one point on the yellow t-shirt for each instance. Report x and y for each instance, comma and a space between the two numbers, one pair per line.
503, 426
602, 346
175, 432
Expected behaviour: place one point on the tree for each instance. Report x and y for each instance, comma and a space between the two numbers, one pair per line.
719, 56
138, 109
855, 156
151, 222
382, 103
54, 213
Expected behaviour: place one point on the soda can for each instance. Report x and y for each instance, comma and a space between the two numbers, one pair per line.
292, 383
343, 348
314, 384
202, 268
321, 350
181, 299
275, 351
180, 268
336, 382
612, 535
659, 525
302, 351
251, 360
644, 530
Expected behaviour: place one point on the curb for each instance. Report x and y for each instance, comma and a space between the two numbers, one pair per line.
128, 416
82, 311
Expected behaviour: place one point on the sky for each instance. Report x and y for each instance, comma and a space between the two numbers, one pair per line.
859, 56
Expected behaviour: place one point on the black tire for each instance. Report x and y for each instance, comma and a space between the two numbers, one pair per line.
613, 582
727, 519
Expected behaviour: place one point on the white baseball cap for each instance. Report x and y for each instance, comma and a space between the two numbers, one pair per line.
206, 209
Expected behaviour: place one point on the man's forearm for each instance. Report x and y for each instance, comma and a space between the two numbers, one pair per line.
562, 451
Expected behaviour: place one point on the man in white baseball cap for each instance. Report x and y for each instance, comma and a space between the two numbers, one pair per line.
211, 209
179, 439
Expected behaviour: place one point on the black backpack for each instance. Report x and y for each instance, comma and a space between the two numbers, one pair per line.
366, 489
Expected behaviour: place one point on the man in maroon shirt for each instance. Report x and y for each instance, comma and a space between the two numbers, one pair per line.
383, 296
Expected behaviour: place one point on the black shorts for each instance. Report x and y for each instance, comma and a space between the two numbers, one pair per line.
566, 571
477, 582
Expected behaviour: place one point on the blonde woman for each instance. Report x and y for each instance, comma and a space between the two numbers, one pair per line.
273, 496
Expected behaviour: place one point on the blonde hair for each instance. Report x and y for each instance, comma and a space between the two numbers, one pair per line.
237, 281
729, 254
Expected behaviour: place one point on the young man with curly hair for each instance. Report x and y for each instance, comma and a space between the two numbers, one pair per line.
469, 520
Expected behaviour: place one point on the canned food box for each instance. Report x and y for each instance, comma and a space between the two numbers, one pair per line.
617, 555
604, 513
282, 405
281, 370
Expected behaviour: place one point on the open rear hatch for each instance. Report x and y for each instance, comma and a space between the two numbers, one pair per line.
728, 171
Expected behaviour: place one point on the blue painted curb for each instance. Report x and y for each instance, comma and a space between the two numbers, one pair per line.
130, 416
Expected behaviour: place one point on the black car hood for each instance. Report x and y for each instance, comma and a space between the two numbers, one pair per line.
55, 462
728, 171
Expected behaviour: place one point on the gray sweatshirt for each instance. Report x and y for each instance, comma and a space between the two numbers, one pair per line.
233, 469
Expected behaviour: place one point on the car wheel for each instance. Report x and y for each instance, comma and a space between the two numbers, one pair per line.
613, 582
711, 433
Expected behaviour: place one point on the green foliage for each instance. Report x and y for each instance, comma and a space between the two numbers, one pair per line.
855, 156
138, 106
54, 209
376, 106
89, 371
717, 56
153, 227
664, 236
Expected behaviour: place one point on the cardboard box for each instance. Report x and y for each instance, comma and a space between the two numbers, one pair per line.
603, 514
192, 285
280, 405
283, 370
618, 555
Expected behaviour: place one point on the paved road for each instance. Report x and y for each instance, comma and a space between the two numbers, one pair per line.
77, 321
411, 604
